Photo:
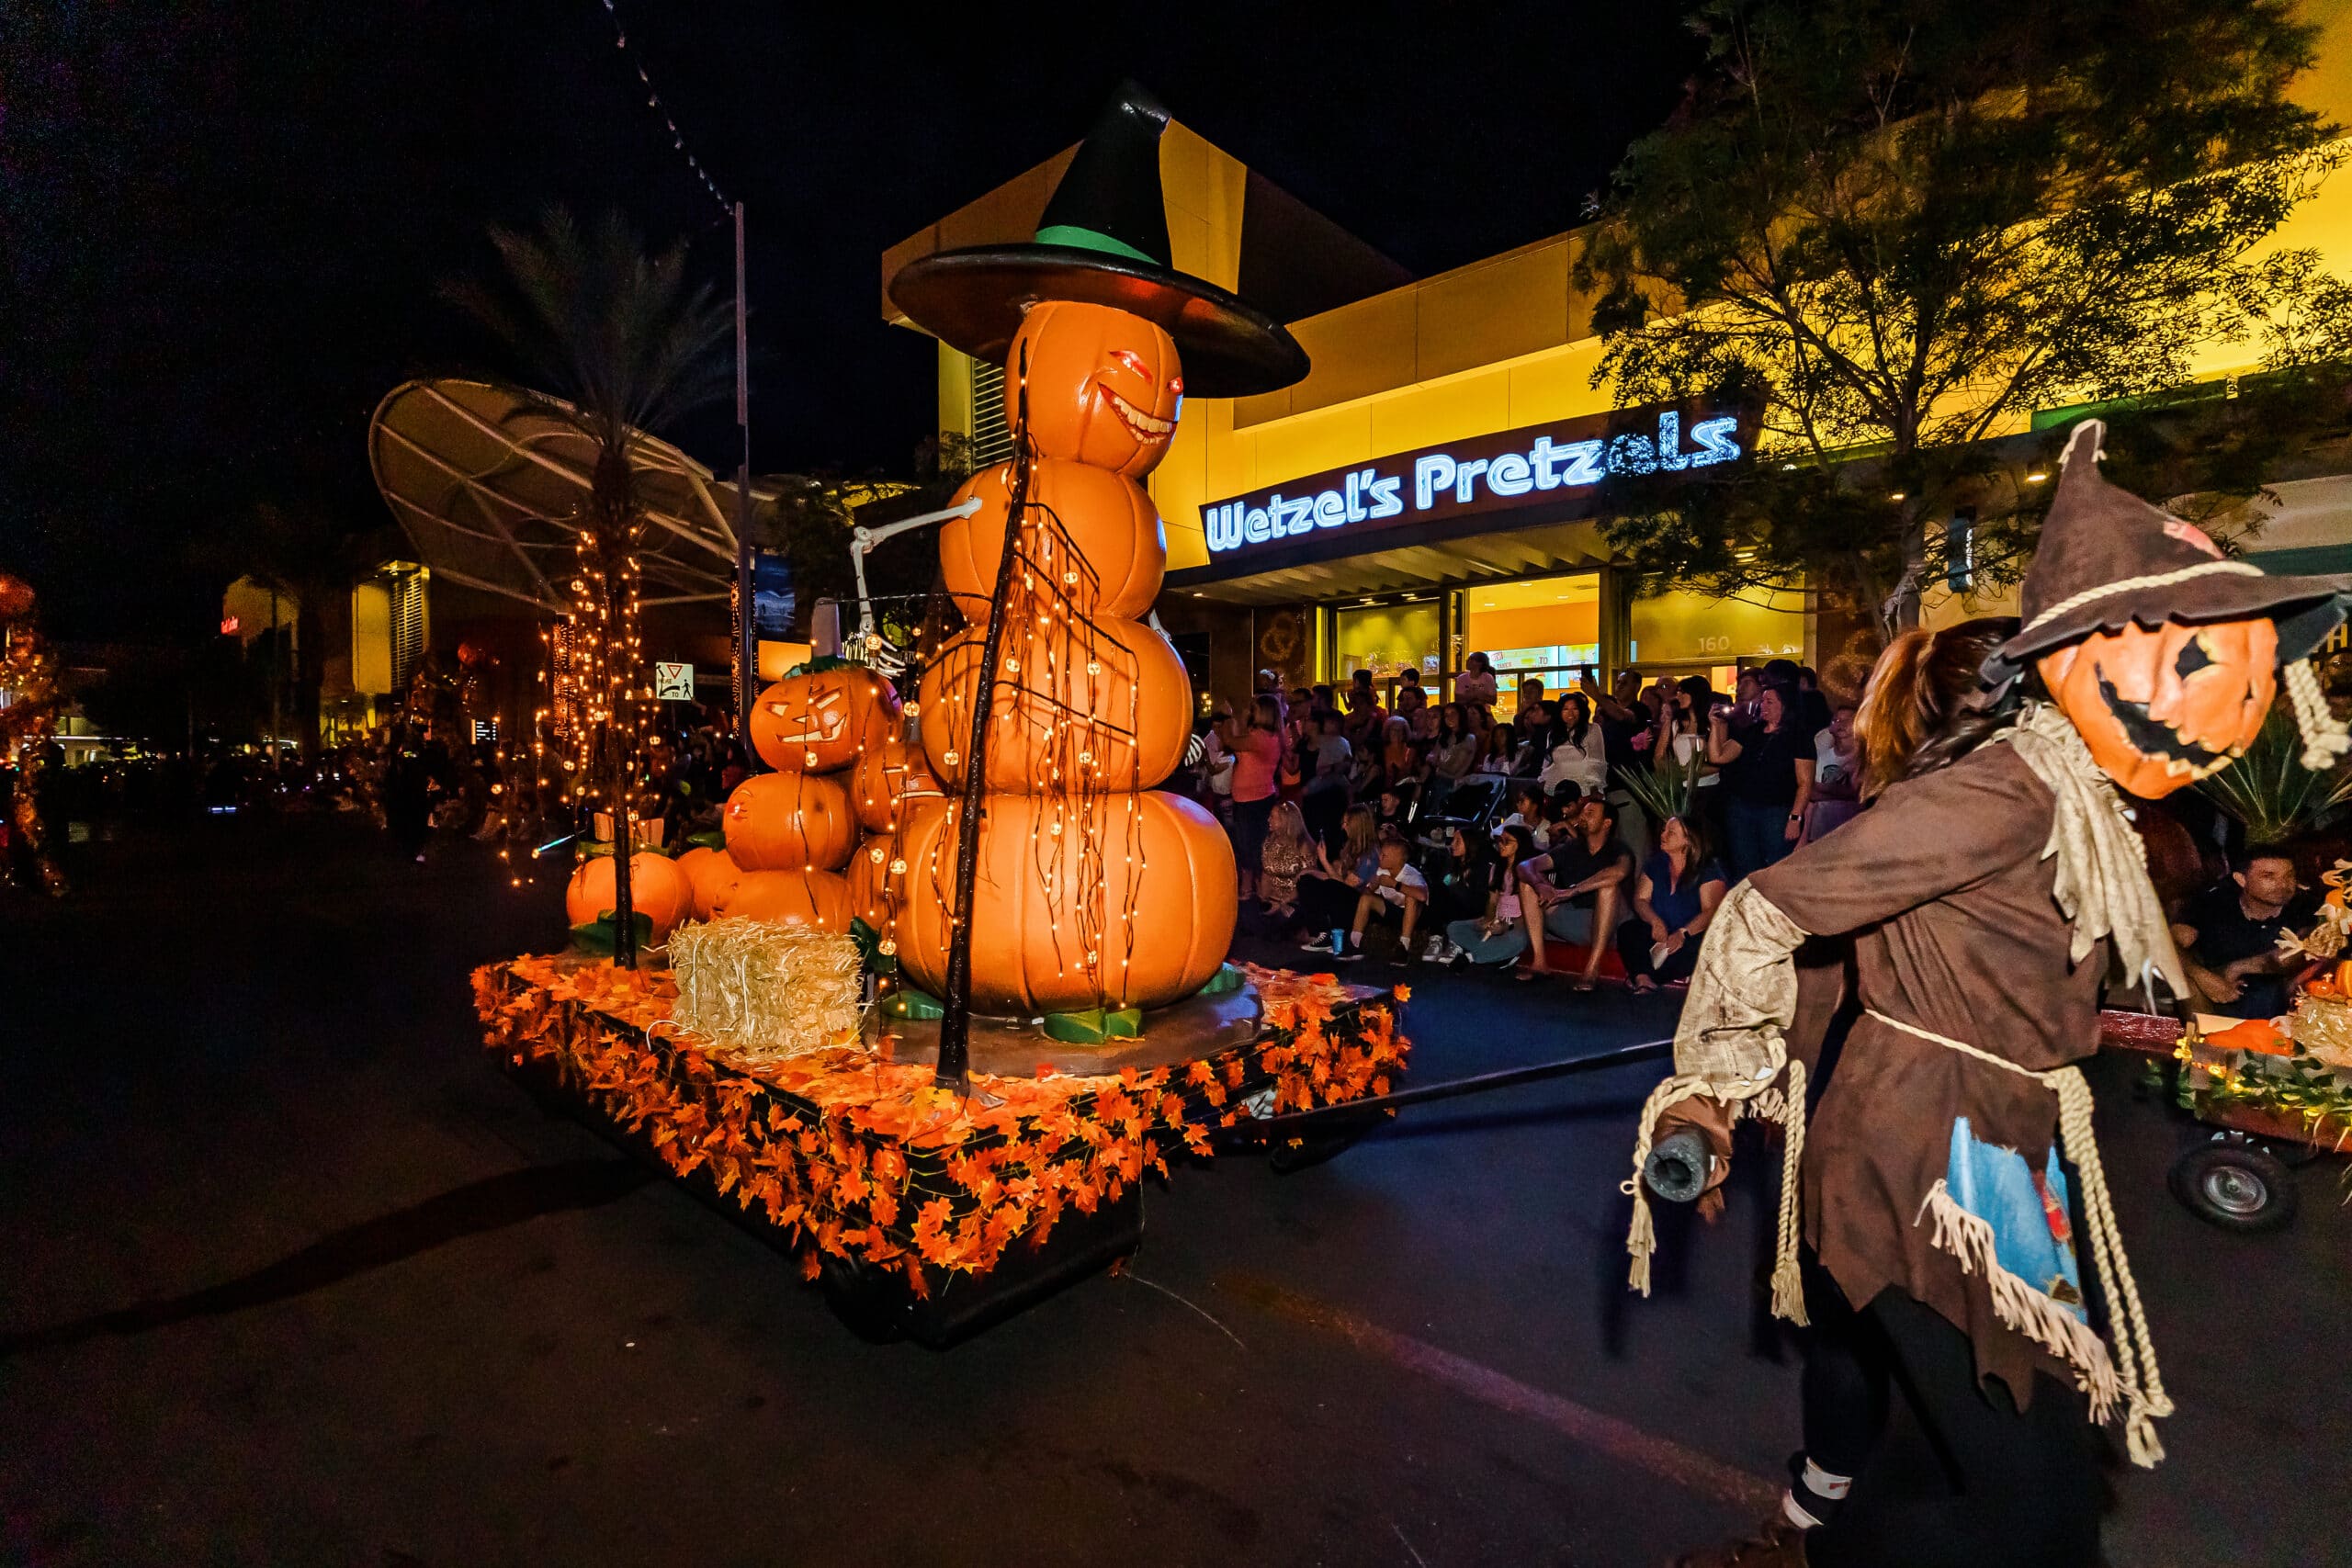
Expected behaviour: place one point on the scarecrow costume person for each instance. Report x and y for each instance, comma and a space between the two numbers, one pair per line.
1987, 902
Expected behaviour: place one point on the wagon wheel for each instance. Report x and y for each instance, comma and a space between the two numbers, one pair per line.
2234, 1185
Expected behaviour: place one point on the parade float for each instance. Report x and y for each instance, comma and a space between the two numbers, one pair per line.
931, 1063
28, 704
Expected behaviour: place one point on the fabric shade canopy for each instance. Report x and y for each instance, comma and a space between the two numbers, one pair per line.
489, 488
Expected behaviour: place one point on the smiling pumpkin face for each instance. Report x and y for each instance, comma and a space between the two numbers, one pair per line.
1104, 386
820, 720
2162, 708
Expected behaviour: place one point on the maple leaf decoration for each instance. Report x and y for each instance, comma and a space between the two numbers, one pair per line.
854, 1155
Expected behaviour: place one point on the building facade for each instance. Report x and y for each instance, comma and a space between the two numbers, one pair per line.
1430, 488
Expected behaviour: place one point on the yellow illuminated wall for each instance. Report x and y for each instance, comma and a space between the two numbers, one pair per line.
1387, 639
1690, 628
1503, 343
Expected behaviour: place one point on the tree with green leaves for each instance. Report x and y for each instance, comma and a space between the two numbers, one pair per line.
1895, 228
610, 341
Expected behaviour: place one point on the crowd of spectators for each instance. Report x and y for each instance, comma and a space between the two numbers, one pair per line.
1459, 831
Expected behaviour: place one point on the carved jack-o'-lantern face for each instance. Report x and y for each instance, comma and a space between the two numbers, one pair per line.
821, 719
1104, 386
2162, 708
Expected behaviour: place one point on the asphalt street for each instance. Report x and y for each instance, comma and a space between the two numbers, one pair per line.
293, 1275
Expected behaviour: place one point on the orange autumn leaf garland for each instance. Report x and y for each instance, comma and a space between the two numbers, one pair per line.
852, 1156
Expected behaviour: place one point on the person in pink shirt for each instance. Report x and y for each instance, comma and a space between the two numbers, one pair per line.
1256, 753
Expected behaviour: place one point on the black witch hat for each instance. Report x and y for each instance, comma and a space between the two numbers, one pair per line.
1103, 240
2106, 558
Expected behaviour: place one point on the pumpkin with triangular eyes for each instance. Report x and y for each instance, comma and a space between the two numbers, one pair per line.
1104, 388
2163, 707
818, 720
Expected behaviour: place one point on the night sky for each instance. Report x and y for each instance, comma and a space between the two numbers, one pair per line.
223, 224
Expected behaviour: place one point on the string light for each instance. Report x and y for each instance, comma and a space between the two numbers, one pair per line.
653, 101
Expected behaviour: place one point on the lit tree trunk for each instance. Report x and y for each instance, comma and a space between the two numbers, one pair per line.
613, 503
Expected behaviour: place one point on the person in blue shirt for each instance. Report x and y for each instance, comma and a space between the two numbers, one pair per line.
1675, 896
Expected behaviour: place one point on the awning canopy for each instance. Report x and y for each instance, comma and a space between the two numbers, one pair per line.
490, 489
1473, 557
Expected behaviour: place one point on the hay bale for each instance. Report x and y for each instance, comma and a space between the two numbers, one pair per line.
765, 991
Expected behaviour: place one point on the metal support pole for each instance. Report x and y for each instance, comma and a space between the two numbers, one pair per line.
955, 1023
747, 632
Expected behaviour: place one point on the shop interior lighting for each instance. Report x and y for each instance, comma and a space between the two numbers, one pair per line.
2036, 477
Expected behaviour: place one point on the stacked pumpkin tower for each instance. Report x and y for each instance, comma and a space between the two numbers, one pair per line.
793, 852
1096, 889
1095, 892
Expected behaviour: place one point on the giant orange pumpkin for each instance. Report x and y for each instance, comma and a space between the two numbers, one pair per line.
789, 898
789, 821
1160, 871
888, 776
1138, 697
1109, 520
877, 881
709, 872
821, 719
1104, 386
2163, 707
657, 889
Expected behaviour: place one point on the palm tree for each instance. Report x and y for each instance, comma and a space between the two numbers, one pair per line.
629, 344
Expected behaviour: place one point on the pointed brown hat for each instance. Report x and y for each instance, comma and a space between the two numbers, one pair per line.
1103, 240
2107, 558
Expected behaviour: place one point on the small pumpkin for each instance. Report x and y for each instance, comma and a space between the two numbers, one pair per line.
888, 776
1161, 866
657, 889
709, 872
821, 719
1136, 692
1108, 520
818, 898
789, 822
2344, 978
2164, 706
1105, 387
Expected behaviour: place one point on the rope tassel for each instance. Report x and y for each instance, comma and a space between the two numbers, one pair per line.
2325, 738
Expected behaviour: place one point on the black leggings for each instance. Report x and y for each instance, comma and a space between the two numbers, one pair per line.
1963, 1480
1327, 905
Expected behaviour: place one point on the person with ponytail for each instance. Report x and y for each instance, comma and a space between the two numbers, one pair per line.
1987, 894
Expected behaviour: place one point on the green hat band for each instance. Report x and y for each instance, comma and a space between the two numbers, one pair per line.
1091, 239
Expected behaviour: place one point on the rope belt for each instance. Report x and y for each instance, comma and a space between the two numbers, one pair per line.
2140, 1384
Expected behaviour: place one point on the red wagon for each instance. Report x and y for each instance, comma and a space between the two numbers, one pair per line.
2270, 1112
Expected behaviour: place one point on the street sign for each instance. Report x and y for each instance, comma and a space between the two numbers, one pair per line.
673, 682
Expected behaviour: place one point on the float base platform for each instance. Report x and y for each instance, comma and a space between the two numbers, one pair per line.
921, 1214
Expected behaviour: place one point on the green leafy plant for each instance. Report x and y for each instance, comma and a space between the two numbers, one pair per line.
2269, 790
1898, 232
1666, 788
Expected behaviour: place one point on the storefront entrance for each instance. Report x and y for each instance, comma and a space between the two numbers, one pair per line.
1554, 627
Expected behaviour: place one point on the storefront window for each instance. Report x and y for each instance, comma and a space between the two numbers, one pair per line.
1549, 627
1388, 639
1690, 630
